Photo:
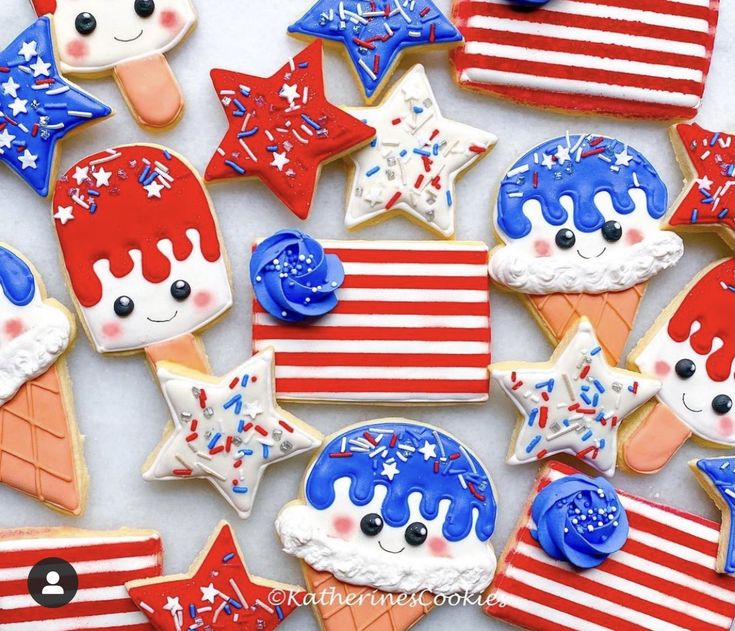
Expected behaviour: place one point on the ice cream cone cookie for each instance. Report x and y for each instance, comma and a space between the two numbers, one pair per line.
142, 252
126, 38
411, 166
572, 404
282, 129
218, 593
38, 106
227, 429
579, 221
707, 202
395, 506
691, 349
376, 34
40, 445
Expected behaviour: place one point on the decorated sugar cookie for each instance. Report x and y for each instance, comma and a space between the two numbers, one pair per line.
226, 430
691, 349
574, 404
396, 506
375, 33
40, 445
89, 566
411, 166
38, 107
142, 252
282, 129
128, 39
645, 565
647, 59
579, 222
373, 321
707, 202
217, 593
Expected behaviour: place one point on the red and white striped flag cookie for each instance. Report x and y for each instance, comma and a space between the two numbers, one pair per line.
663, 577
632, 58
102, 561
412, 324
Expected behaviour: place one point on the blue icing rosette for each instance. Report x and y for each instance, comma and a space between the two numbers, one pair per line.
293, 278
580, 520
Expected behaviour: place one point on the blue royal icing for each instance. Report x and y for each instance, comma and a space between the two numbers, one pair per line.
293, 278
16, 278
580, 520
376, 32
37, 106
721, 474
594, 164
405, 458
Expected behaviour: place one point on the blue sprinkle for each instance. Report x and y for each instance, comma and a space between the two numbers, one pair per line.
244, 91
241, 426
374, 142
311, 122
422, 152
249, 132
151, 178
723, 213
228, 404
239, 105
714, 139
245, 379
373, 171
234, 603
144, 175
214, 441
585, 398
228, 557
533, 444
585, 388
602, 443
599, 386
304, 64
600, 416
245, 452
595, 400
694, 216
93, 192
532, 417
92, 208
587, 435
192, 611
403, 153
279, 612
272, 148
167, 154
235, 167
265, 452
449, 198
595, 350
227, 609
238, 113
240, 489
417, 109
565, 422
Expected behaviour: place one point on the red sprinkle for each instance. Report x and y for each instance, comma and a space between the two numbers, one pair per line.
477, 149
592, 152
585, 371
234, 382
285, 426
424, 11
574, 406
261, 430
396, 121
194, 425
436, 466
393, 440
454, 456
202, 398
596, 141
542, 454
393, 200
228, 444
369, 438
247, 427
363, 43
432, 32
376, 64
517, 385
340, 454
182, 472
419, 179
474, 492
543, 417
535, 179
216, 450
191, 437
237, 464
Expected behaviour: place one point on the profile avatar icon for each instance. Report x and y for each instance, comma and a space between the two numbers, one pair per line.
52, 587
53, 582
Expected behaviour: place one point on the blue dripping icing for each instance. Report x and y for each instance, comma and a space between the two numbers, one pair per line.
416, 474
721, 475
16, 278
581, 181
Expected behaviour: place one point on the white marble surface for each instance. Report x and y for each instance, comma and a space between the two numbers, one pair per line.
119, 407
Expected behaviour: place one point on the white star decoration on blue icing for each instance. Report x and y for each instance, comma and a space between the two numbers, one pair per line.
38, 107
376, 32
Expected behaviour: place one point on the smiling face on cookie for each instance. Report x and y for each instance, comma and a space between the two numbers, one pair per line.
581, 214
409, 509
95, 35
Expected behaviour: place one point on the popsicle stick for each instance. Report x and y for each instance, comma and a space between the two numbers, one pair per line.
186, 350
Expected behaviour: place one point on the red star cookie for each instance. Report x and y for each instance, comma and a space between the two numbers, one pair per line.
217, 593
283, 129
708, 160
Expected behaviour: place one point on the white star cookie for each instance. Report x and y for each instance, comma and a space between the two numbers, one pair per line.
411, 166
572, 404
226, 429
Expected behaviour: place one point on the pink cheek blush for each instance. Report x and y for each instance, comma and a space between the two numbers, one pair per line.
438, 546
343, 525
203, 299
13, 328
634, 236
725, 426
542, 247
111, 330
77, 49
662, 368
170, 19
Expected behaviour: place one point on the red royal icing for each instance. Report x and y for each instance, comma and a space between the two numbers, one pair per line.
42, 7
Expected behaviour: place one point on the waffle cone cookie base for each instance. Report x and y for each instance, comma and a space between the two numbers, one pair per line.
378, 611
612, 314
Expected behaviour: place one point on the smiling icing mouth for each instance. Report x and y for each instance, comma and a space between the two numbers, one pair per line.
683, 400
162, 321
596, 256
132, 39
384, 549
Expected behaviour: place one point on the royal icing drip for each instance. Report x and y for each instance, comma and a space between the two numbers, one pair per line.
33, 333
580, 520
133, 221
121, 30
376, 32
293, 278
710, 198
719, 476
412, 163
581, 213
396, 505
227, 430
574, 404
38, 107
282, 129
218, 594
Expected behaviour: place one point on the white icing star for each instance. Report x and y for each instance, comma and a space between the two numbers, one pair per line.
413, 163
40, 68
428, 450
10, 88
253, 409
209, 593
390, 470
173, 605
28, 50
704, 183
28, 160
548, 161
562, 154
574, 403
102, 177
81, 174
154, 189
6, 138
279, 160
19, 106
223, 447
623, 158
289, 92
64, 214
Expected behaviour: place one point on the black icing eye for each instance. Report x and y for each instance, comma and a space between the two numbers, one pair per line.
85, 23
612, 231
180, 290
415, 534
565, 239
124, 306
145, 8
685, 368
722, 404
371, 524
